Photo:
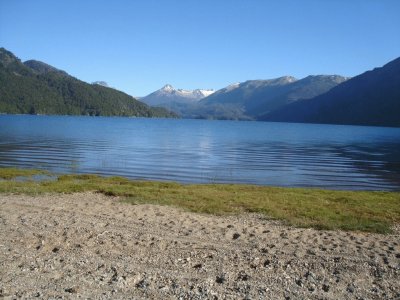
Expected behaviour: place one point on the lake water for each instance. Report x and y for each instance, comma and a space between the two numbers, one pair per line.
200, 151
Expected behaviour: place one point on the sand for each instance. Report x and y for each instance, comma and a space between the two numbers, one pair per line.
92, 246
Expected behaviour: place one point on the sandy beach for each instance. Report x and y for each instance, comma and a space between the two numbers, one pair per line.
88, 245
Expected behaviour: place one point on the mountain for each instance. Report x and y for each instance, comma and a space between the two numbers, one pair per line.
37, 88
168, 95
102, 83
254, 98
42, 68
372, 98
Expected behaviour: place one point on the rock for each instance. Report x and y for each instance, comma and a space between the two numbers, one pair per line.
197, 266
299, 282
325, 288
70, 290
220, 279
235, 236
142, 284
350, 288
243, 276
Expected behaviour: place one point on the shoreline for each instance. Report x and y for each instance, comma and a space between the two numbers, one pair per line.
177, 117
300, 207
92, 245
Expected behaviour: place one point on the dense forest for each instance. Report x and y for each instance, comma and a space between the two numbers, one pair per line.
34, 87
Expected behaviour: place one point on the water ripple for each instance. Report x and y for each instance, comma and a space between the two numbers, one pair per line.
193, 151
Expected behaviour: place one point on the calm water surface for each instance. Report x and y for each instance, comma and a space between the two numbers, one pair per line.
193, 151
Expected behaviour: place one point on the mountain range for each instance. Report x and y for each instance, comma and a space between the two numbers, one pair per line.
34, 87
254, 98
371, 98
242, 101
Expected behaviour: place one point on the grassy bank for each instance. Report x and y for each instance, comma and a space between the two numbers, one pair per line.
322, 209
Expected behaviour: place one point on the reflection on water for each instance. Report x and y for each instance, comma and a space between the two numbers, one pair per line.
337, 157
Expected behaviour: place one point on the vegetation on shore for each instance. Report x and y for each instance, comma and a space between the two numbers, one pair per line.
321, 209
12, 173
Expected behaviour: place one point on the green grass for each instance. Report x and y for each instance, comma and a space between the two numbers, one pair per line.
321, 209
11, 173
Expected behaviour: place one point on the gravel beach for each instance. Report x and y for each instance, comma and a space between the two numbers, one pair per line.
88, 245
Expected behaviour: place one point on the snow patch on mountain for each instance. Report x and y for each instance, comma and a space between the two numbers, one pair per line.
168, 94
102, 83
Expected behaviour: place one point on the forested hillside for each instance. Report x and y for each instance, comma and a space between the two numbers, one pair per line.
34, 87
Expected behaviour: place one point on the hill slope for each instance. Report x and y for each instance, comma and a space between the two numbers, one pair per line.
372, 98
34, 87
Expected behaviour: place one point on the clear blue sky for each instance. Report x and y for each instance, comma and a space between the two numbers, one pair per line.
138, 46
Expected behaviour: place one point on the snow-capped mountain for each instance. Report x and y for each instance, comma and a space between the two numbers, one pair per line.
102, 83
253, 98
168, 95
240, 91
246, 100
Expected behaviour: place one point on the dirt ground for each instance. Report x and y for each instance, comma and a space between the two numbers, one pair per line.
92, 246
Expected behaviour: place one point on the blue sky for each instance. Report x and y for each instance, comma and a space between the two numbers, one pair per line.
138, 46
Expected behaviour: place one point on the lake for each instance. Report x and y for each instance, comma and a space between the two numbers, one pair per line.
202, 151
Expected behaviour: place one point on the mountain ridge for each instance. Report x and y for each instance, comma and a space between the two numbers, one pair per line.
242, 100
35, 87
102, 83
168, 95
371, 98
42, 68
249, 99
